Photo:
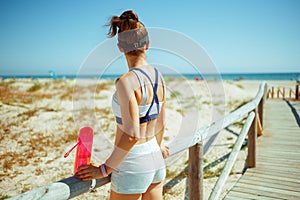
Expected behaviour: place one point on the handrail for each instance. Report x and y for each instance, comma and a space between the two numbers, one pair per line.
195, 161
177, 146
72, 186
216, 192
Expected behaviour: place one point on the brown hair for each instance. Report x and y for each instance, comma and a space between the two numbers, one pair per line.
132, 34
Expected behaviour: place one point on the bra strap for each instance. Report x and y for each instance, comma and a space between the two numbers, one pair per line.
155, 86
143, 86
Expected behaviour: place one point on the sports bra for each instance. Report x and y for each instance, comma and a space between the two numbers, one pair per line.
147, 112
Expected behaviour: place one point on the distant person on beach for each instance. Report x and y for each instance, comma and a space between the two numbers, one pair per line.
136, 164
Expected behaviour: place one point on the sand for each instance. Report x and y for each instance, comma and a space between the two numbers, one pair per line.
40, 119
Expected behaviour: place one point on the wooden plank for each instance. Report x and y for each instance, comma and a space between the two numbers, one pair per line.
233, 198
280, 140
277, 150
269, 172
237, 195
274, 159
278, 134
279, 153
295, 179
289, 126
277, 131
294, 188
284, 135
282, 165
265, 191
271, 152
266, 188
276, 141
269, 180
278, 169
272, 184
280, 145
286, 124
280, 158
258, 194
281, 148
291, 163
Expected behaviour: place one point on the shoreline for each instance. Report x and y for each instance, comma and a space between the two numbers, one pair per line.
190, 76
38, 125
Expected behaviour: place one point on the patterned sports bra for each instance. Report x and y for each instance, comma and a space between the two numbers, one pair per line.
147, 112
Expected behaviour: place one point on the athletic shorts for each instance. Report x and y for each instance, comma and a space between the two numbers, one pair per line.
143, 166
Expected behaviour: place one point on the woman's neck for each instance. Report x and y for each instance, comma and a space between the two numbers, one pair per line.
134, 62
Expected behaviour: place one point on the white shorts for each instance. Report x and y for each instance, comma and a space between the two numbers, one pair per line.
143, 166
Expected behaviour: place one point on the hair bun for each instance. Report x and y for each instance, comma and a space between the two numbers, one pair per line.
128, 20
129, 15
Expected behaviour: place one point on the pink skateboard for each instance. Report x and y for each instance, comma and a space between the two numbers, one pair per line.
84, 147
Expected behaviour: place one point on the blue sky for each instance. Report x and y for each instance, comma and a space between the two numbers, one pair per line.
240, 36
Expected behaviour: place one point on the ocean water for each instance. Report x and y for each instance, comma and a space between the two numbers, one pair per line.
225, 76
250, 76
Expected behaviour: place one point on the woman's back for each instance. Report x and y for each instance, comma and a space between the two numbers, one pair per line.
149, 94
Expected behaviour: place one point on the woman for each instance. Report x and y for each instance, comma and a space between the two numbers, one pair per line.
136, 164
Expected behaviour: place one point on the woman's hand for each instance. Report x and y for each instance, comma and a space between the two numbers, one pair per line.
89, 172
165, 151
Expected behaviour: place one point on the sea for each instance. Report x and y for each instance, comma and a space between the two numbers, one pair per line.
223, 76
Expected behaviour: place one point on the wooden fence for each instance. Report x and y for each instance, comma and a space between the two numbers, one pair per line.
284, 92
72, 187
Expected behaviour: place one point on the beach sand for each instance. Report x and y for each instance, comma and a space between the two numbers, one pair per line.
40, 119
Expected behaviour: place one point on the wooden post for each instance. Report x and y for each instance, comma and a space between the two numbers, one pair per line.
272, 93
252, 135
283, 93
196, 172
259, 127
261, 111
297, 91
261, 106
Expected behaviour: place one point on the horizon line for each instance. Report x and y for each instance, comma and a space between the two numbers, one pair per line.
167, 74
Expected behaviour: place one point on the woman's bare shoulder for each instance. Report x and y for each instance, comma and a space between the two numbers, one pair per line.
127, 80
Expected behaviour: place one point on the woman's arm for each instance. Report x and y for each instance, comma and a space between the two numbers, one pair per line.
160, 125
128, 133
160, 130
123, 144
128, 105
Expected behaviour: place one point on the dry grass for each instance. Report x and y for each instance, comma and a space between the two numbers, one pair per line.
35, 87
4, 197
10, 95
67, 94
104, 86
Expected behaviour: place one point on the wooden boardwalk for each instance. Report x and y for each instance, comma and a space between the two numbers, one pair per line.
277, 171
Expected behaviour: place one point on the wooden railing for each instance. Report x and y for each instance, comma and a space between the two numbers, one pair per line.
72, 187
284, 92
253, 123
